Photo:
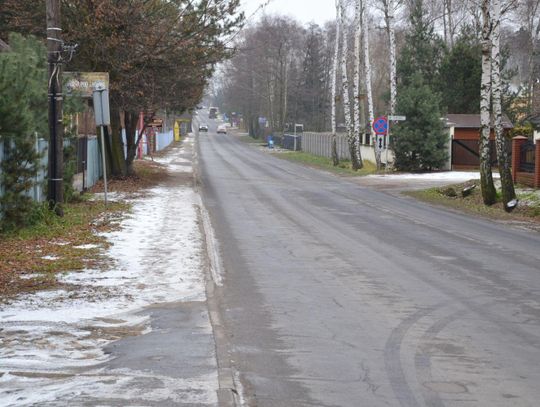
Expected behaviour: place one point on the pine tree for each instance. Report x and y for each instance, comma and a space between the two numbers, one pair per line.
423, 49
23, 110
460, 76
420, 142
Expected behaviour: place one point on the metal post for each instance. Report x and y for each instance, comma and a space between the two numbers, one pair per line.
55, 194
387, 142
37, 196
104, 162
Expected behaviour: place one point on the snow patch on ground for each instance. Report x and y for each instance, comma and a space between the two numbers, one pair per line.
48, 338
118, 386
114, 196
49, 257
450, 176
87, 246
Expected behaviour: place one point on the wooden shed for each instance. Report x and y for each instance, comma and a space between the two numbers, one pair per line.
465, 135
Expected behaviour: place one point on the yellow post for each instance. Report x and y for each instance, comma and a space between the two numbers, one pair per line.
176, 131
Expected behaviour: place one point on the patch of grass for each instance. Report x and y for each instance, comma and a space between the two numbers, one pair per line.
32, 257
323, 163
251, 140
147, 174
528, 209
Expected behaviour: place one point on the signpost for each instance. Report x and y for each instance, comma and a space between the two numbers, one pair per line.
381, 126
103, 118
394, 118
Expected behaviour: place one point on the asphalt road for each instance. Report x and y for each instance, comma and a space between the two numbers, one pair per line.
336, 294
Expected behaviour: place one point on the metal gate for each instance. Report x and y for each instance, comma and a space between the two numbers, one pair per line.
465, 153
527, 157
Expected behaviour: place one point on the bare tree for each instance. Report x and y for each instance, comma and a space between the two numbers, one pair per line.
486, 176
335, 158
357, 111
367, 71
389, 10
351, 139
529, 12
507, 184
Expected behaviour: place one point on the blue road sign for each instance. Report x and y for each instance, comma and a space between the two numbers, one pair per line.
380, 125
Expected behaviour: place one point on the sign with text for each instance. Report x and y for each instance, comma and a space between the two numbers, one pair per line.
84, 83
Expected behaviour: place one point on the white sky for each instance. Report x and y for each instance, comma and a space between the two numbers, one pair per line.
305, 11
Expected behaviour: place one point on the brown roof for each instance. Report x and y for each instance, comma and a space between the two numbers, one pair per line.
3, 46
472, 121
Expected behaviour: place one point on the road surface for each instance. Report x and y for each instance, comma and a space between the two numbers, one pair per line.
334, 294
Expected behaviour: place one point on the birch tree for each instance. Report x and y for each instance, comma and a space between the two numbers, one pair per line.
351, 139
367, 71
358, 122
507, 184
486, 176
389, 10
530, 13
335, 158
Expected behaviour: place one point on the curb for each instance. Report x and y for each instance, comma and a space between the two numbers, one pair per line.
227, 393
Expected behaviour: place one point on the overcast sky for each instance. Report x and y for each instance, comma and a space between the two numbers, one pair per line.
318, 11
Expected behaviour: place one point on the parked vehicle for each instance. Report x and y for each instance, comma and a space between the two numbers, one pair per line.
203, 127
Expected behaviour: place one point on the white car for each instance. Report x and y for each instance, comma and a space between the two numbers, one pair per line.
203, 127
222, 129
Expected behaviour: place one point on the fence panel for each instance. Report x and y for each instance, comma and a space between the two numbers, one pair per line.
321, 144
292, 142
93, 159
164, 140
94, 168
38, 192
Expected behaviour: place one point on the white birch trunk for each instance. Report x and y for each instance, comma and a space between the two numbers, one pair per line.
285, 96
356, 111
367, 70
451, 28
533, 28
389, 17
345, 90
335, 158
486, 176
507, 183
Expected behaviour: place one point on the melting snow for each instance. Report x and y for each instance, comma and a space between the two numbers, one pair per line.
87, 246
53, 334
451, 176
49, 257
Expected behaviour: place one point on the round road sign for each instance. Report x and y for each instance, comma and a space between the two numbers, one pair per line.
380, 125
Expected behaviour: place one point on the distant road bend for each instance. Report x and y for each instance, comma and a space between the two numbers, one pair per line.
339, 295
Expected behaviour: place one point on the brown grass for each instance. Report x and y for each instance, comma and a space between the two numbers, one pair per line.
31, 259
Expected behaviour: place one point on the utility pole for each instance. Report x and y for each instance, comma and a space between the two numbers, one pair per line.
55, 194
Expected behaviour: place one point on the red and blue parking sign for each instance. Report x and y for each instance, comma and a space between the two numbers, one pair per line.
380, 125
